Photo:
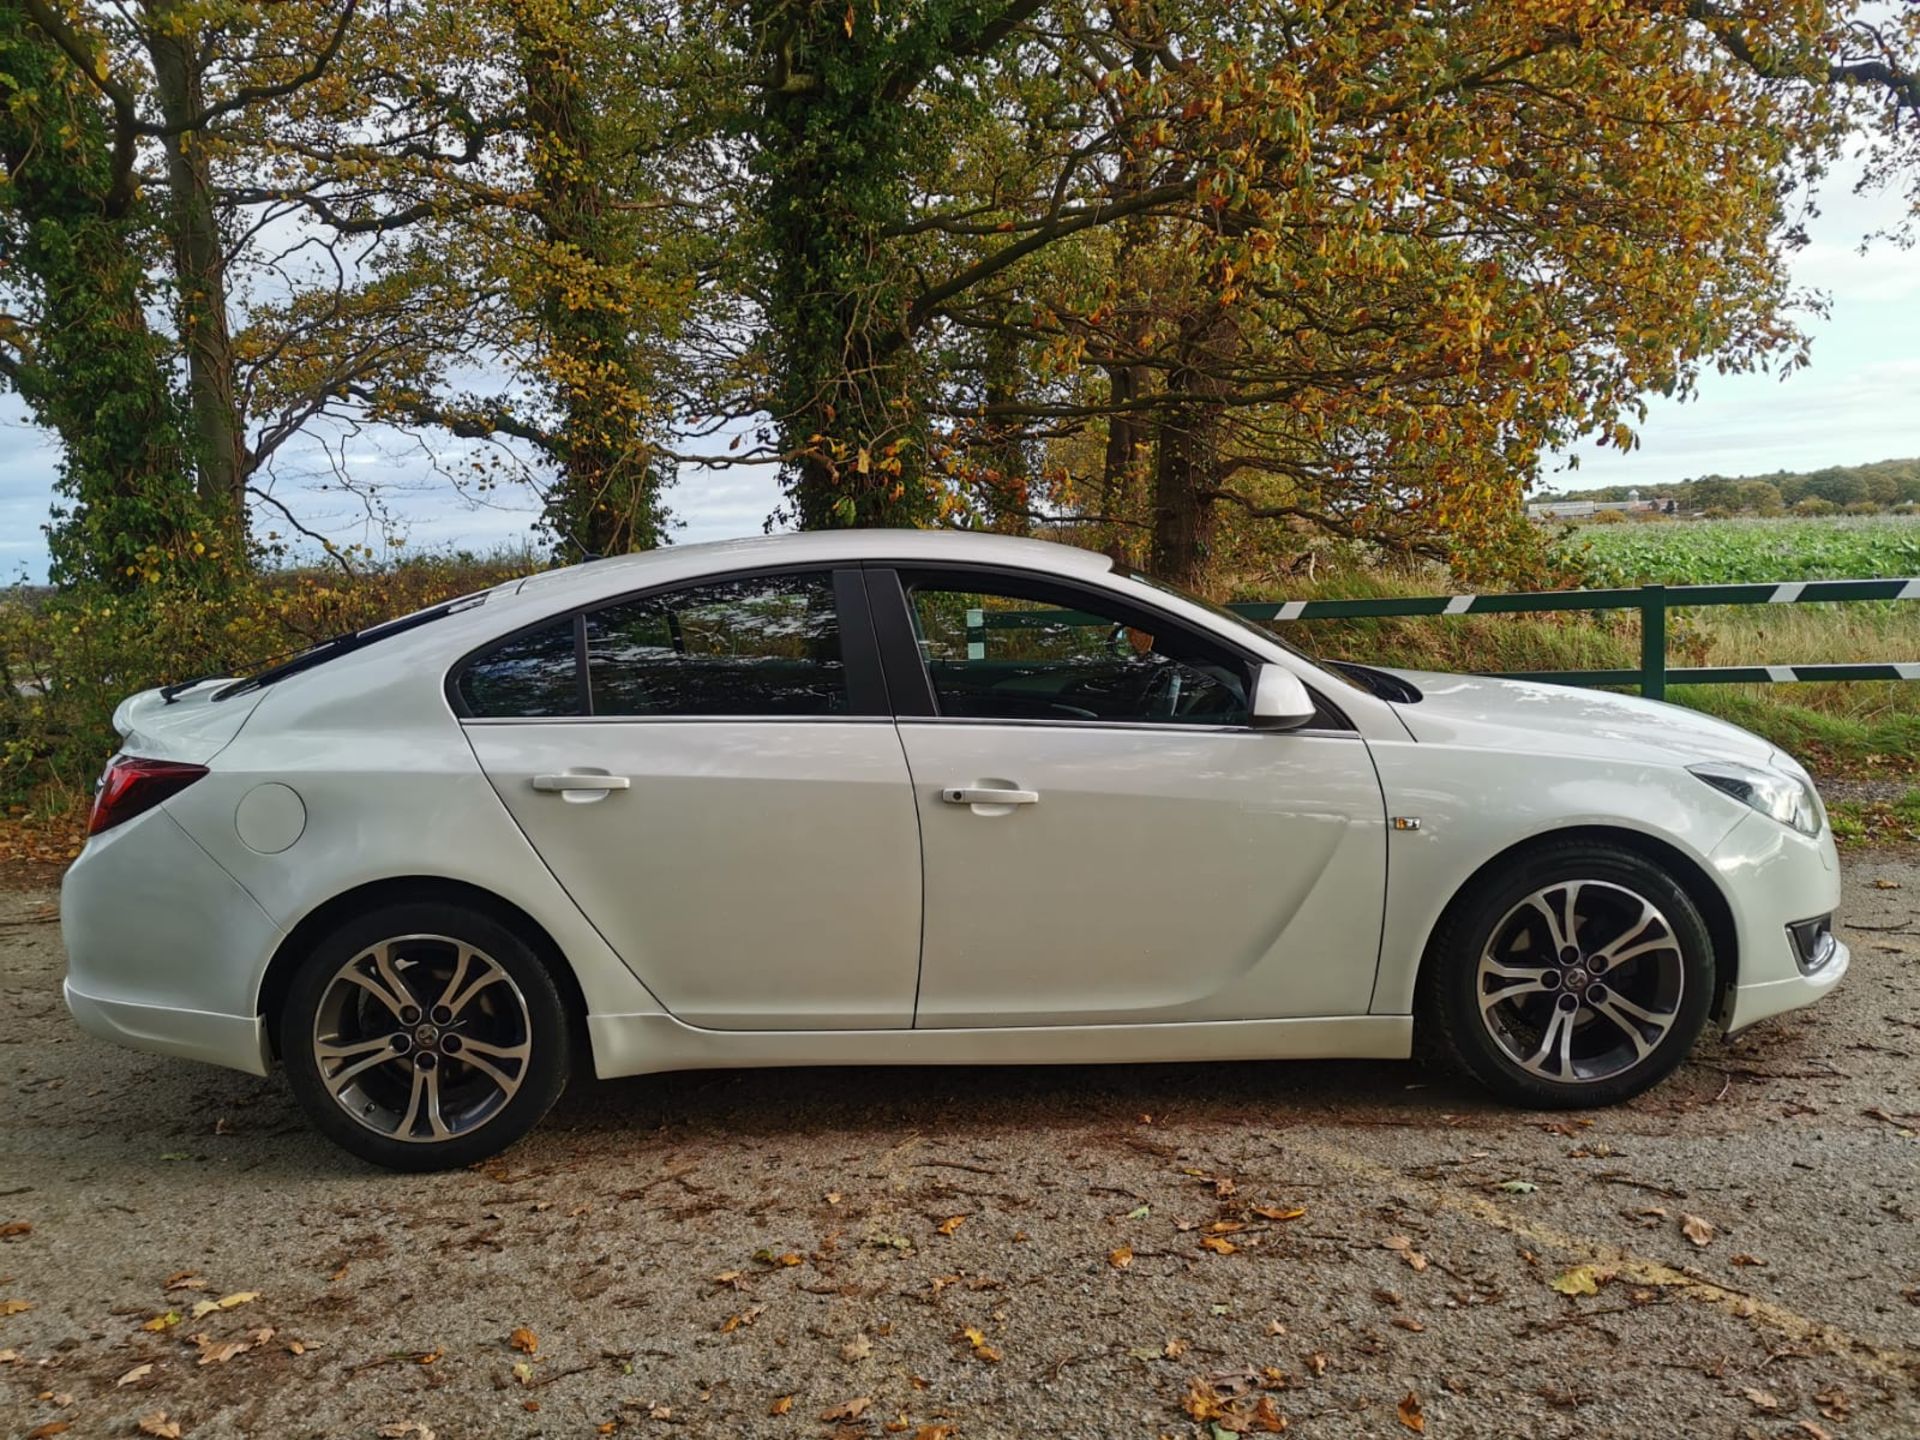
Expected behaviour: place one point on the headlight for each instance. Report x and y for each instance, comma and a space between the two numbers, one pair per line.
1787, 798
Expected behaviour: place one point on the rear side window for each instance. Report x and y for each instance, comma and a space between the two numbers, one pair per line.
763, 645
530, 674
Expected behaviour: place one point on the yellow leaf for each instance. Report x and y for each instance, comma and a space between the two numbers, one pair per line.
162, 1322
951, 1224
1700, 1231
138, 1372
524, 1340
1218, 1245
1274, 1212
1580, 1280
1120, 1258
781, 1406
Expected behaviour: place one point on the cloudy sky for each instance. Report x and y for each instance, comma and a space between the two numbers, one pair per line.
1859, 401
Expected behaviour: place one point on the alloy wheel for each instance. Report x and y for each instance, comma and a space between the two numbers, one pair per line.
1580, 981
422, 1038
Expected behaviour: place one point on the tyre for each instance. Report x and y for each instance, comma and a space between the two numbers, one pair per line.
1579, 975
422, 1036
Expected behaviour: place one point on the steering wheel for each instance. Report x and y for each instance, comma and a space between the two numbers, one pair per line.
1161, 699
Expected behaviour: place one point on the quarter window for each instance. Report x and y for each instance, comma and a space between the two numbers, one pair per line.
764, 645
529, 675
998, 656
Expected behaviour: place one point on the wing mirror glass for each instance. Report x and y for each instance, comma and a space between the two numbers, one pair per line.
1280, 700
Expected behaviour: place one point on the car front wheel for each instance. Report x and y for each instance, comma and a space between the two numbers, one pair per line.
421, 1036
1580, 975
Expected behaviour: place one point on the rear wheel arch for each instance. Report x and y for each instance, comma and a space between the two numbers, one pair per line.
328, 916
1686, 871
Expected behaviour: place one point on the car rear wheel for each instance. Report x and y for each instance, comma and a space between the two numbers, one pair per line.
423, 1035
1580, 975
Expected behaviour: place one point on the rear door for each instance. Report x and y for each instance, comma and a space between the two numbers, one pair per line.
712, 774
1105, 838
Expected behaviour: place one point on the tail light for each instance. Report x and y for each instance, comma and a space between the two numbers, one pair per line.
133, 784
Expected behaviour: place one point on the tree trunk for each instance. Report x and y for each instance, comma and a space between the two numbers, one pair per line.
832, 157
199, 259
606, 500
1186, 465
87, 363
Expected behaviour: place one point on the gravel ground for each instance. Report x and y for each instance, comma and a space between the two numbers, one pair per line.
980, 1253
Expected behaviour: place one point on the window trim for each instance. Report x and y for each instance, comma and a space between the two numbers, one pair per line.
910, 681
860, 657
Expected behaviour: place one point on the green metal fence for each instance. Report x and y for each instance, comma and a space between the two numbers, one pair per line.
1652, 601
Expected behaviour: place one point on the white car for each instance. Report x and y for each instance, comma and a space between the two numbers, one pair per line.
913, 798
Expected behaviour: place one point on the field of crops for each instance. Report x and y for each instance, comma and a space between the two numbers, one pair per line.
1715, 552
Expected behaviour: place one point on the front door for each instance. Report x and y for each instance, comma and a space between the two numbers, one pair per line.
1105, 839
723, 795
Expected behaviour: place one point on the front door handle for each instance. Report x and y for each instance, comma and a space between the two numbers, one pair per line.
987, 795
576, 780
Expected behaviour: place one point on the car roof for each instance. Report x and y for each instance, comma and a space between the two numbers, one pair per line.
813, 547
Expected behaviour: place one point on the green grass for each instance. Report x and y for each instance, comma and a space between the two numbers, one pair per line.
1732, 552
1863, 821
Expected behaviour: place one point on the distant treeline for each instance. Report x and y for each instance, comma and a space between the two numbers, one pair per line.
1883, 483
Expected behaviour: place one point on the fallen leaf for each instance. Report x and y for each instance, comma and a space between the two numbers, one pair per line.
767, 1257
734, 1278
1517, 1187
1317, 1362
161, 1322
523, 1372
1218, 1245
50, 1429
781, 1406
1274, 1212
1745, 1260
1402, 1245
951, 1224
1581, 1279
138, 1372
524, 1340
1818, 1432
858, 1348
1698, 1230
745, 1317
15, 1227
159, 1426
1140, 1212
1410, 1413
1120, 1257
981, 1349
1175, 1348
847, 1410
1266, 1417
1884, 884
1763, 1400
404, 1430
15, 1307
1407, 1322
225, 1302
934, 1432
1225, 1227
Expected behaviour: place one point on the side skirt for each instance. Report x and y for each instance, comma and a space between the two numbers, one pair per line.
645, 1044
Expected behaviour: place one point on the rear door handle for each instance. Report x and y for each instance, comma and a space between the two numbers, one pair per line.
581, 780
987, 795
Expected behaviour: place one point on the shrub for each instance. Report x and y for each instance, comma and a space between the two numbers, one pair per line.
67, 659
1607, 517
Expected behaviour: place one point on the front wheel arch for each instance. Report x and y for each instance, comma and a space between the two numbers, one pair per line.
1702, 890
327, 917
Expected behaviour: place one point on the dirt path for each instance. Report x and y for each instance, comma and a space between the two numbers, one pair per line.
974, 1254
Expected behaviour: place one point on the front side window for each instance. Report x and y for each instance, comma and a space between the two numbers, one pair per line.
531, 675
1001, 656
764, 645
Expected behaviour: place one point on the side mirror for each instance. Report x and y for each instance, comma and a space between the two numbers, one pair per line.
1280, 700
